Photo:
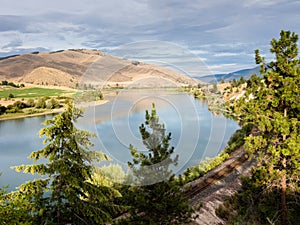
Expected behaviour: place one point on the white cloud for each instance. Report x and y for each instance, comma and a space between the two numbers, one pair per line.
225, 54
228, 67
217, 32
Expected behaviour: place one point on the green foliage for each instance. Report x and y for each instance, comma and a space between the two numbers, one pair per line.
32, 92
2, 109
41, 103
108, 175
72, 198
251, 205
6, 83
157, 199
30, 102
238, 138
236, 83
52, 104
13, 210
214, 88
11, 95
16, 107
88, 96
195, 172
272, 105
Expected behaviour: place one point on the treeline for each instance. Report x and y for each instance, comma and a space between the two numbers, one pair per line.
32, 104
11, 84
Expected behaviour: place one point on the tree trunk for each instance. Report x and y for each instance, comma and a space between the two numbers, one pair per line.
283, 184
283, 196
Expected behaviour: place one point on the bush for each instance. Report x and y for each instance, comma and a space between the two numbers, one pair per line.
13, 110
11, 95
208, 164
30, 102
4, 82
2, 109
52, 104
255, 206
19, 105
238, 139
40, 104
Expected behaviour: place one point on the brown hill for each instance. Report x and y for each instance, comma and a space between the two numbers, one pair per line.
78, 66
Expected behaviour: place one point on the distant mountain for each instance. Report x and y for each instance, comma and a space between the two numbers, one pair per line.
246, 73
79, 66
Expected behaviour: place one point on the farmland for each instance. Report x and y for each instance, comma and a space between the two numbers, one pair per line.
34, 92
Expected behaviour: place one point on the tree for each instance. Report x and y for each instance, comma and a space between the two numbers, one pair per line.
72, 198
41, 103
222, 80
52, 104
30, 102
11, 95
4, 82
13, 210
214, 88
156, 198
2, 109
273, 107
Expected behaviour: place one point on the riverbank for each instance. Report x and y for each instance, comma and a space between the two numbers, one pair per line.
11, 116
14, 116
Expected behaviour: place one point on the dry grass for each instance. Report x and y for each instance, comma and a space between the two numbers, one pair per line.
69, 67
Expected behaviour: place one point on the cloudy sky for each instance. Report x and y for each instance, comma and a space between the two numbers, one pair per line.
221, 34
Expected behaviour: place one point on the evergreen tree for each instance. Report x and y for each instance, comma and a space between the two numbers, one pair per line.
71, 197
272, 105
156, 199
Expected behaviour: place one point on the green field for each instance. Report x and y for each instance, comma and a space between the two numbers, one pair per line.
32, 92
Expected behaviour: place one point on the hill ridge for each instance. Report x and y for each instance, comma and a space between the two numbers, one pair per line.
73, 66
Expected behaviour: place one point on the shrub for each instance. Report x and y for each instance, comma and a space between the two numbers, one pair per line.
2, 109
52, 104
11, 95
30, 102
40, 104
19, 105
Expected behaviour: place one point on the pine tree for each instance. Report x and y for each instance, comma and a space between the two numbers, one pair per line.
272, 105
71, 198
156, 199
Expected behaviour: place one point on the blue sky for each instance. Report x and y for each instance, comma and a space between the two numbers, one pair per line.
222, 35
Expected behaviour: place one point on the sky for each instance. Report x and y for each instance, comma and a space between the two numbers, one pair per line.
219, 35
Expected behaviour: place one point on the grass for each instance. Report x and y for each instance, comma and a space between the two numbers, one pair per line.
32, 92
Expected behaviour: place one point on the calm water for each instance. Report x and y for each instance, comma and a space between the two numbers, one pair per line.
196, 132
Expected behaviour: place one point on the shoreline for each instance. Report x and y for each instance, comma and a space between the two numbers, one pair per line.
54, 111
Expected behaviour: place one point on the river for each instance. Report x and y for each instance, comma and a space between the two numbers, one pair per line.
196, 132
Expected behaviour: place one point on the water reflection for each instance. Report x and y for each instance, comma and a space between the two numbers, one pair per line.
196, 133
